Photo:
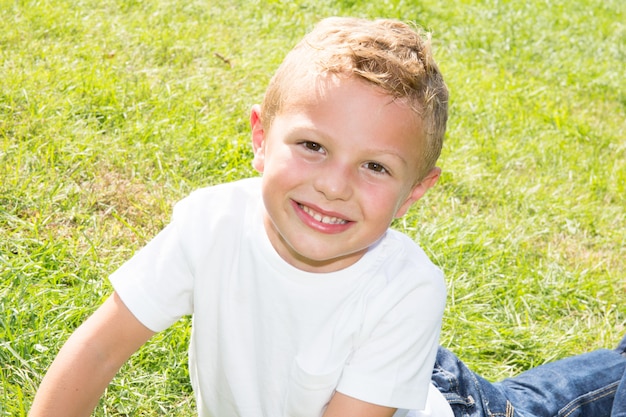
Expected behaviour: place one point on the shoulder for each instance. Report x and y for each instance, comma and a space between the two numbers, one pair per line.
408, 288
216, 214
404, 261
229, 198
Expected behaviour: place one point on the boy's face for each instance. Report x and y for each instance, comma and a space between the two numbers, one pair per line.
339, 162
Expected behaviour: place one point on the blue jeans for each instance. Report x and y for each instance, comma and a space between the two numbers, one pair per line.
588, 385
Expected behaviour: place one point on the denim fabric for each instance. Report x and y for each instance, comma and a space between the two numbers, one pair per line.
619, 403
580, 386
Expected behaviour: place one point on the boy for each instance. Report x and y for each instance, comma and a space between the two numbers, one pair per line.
304, 302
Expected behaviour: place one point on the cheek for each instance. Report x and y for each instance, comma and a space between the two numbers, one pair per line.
381, 201
281, 174
287, 166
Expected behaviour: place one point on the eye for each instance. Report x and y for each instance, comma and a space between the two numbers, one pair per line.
376, 167
312, 146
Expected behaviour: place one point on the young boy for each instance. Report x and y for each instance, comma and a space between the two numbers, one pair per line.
304, 302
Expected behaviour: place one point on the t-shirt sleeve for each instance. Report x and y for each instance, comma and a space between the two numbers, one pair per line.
393, 364
156, 283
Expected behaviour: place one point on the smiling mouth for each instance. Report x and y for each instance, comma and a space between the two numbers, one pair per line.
320, 217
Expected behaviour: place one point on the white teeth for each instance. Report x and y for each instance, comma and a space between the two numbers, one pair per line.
323, 219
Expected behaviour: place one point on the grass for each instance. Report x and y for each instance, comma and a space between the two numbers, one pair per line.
111, 111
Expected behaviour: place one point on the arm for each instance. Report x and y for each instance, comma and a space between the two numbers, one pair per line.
341, 405
89, 360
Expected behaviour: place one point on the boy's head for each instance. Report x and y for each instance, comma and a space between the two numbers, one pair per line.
347, 139
388, 54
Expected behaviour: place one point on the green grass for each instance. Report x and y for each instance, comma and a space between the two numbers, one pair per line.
111, 111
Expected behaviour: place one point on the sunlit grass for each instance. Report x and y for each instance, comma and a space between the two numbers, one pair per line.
111, 111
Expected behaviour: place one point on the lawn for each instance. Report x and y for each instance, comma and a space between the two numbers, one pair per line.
111, 111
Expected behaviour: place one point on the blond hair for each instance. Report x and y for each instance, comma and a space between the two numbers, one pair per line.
389, 54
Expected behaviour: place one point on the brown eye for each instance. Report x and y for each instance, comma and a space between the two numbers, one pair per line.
312, 146
376, 167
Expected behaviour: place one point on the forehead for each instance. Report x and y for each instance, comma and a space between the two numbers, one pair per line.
316, 89
320, 92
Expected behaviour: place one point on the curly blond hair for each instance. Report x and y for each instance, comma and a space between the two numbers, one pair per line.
389, 54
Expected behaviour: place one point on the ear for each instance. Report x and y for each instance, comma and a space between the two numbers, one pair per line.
419, 190
258, 138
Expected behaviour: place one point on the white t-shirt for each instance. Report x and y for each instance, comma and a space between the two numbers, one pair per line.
271, 340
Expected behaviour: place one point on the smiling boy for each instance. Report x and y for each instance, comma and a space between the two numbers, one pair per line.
339, 163
304, 302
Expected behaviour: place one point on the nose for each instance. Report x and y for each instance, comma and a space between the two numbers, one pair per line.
335, 181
